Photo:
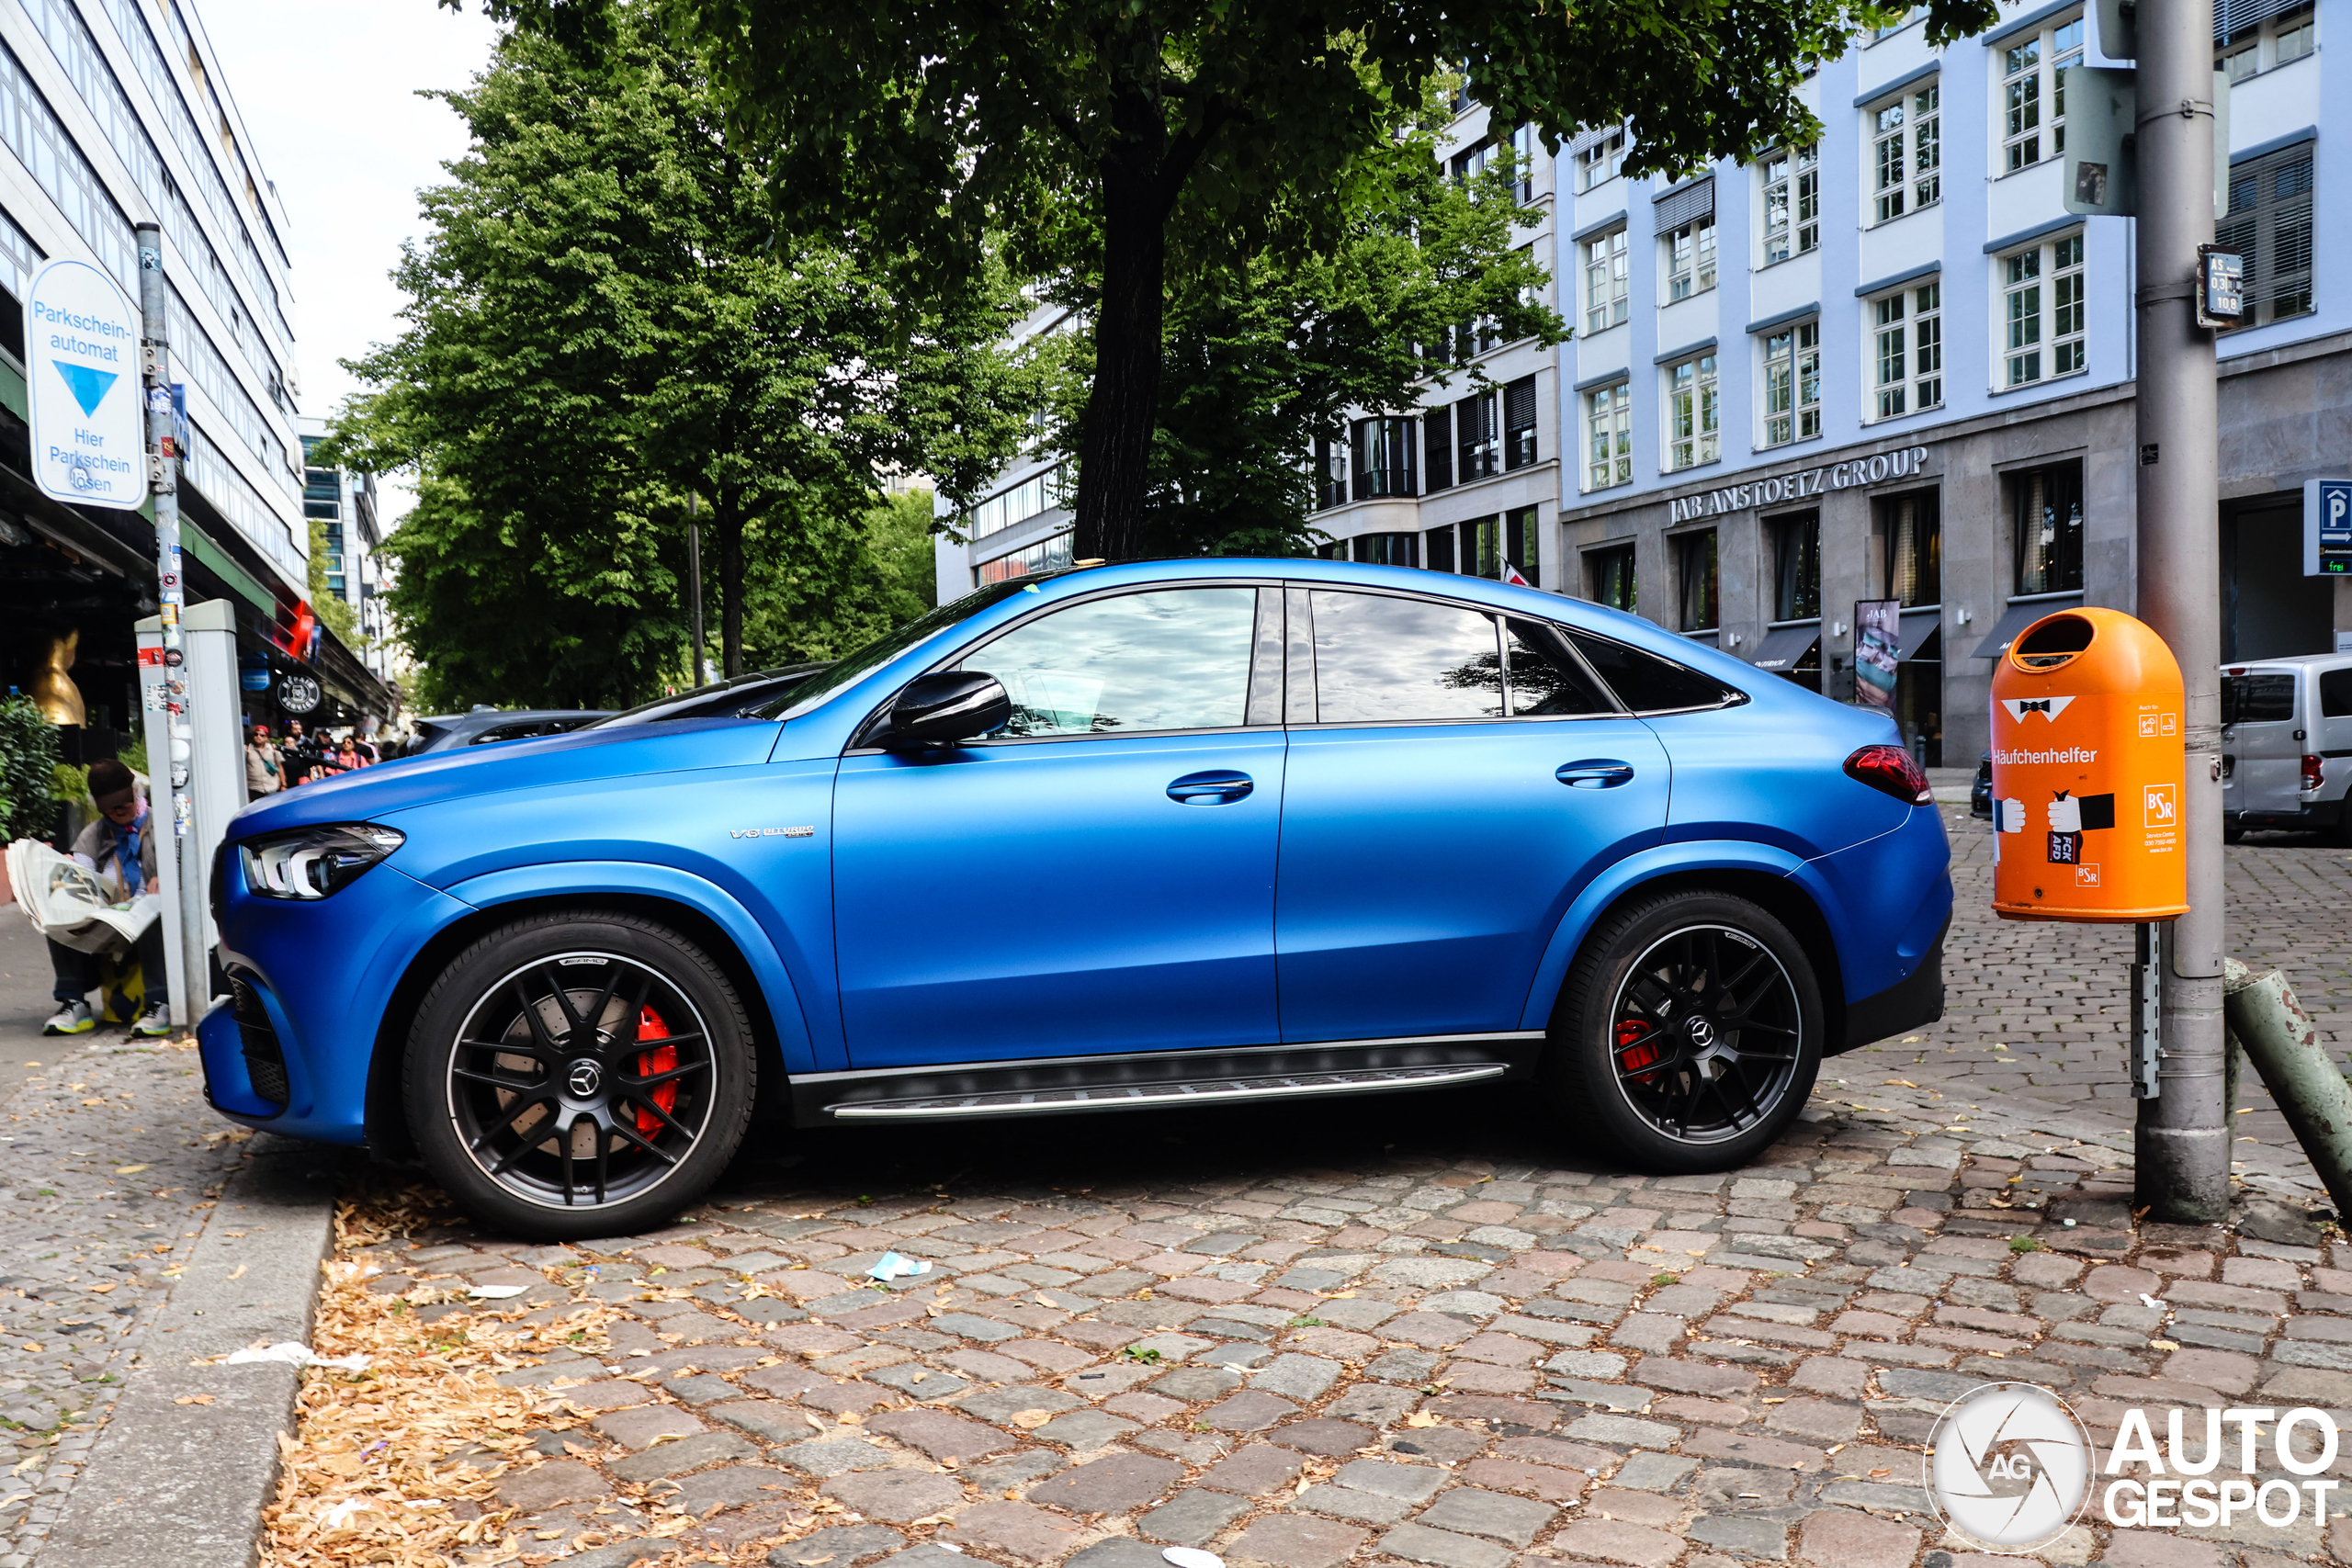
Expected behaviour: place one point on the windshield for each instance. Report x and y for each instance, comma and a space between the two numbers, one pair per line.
724, 700
825, 682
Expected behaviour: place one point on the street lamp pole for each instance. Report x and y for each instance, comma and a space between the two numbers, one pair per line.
693, 577
2183, 1145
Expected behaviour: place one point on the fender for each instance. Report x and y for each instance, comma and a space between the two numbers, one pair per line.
572, 878
1647, 865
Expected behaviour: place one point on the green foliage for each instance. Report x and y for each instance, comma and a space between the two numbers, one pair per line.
325, 603
134, 755
1129, 141
603, 319
68, 782
29, 762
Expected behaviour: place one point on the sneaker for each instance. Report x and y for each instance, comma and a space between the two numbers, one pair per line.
70, 1018
155, 1023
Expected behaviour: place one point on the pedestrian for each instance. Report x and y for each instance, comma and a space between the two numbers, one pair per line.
263, 769
346, 756
120, 847
296, 753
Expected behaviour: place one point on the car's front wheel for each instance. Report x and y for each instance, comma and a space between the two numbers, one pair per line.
1687, 1035
579, 1075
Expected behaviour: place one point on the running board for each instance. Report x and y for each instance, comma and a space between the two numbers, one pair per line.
1151, 1096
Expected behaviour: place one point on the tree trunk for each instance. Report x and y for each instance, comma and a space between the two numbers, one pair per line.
1122, 408
730, 586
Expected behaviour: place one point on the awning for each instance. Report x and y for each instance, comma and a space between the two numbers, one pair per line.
2015, 619
1919, 626
1785, 648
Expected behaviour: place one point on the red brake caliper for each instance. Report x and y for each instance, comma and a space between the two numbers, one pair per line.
660, 1059
1634, 1051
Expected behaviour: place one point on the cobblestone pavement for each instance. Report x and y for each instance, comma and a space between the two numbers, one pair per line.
1419, 1332
111, 1161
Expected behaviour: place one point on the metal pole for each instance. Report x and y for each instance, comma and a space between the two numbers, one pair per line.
2183, 1145
694, 576
182, 915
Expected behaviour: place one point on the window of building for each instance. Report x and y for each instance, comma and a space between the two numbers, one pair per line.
1694, 581
1482, 547
1907, 350
2294, 34
2279, 41
1607, 282
1915, 562
1518, 424
1387, 549
1609, 577
2270, 225
1330, 474
1437, 546
1791, 203
1177, 659
1796, 565
1608, 438
1383, 450
1694, 413
1908, 150
2048, 508
1045, 555
1038, 493
1380, 658
1793, 384
1900, 21
1522, 150
1523, 545
1690, 259
1469, 164
2033, 95
1476, 448
2043, 311
1437, 447
1601, 162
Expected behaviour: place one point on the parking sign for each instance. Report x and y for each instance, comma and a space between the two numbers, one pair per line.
2328, 528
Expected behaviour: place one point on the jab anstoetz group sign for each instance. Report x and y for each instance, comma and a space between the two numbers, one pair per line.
1799, 483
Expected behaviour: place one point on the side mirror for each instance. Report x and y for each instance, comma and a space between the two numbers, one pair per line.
954, 704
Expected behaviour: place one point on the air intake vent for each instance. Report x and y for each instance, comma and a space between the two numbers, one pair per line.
264, 1057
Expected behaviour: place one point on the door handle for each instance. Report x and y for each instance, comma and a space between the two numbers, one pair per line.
1595, 773
1222, 787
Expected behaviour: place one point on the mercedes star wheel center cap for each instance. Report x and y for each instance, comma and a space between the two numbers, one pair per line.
585, 1079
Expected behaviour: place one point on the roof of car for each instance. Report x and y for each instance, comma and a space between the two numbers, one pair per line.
2290, 661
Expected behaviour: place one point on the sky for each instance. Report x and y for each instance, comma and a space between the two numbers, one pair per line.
327, 89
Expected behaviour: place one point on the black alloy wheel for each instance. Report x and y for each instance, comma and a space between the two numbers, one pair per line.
579, 1076
1689, 1035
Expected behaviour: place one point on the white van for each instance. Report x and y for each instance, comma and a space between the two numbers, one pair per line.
2286, 744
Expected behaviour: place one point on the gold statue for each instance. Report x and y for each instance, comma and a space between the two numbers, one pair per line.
54, 691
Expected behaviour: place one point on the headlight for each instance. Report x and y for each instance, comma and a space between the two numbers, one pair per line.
311, 862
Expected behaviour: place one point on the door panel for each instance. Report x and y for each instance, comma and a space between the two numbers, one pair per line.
1425, 864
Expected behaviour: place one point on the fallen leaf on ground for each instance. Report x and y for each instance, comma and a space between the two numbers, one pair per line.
193, 1399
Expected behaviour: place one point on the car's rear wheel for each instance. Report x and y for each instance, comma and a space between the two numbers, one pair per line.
1687, 1035
579, 1075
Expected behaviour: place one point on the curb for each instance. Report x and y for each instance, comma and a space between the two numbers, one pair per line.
186, 1483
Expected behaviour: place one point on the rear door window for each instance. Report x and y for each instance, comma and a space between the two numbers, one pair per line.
1547, 680
2257, 699
1646, 682
1381, 660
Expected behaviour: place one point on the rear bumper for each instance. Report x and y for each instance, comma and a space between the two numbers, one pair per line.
2313, 815
1912, 1002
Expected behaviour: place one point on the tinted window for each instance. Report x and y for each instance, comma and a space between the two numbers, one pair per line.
1648, 684
1384, 660
1546, 677
1174, 659
2257, 699
2336, 694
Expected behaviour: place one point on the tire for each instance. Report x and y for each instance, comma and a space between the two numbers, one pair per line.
1647, 980
497, 1056
2233, 835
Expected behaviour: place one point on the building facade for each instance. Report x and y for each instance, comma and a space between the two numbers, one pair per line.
1906, 374
114, 113
342, 503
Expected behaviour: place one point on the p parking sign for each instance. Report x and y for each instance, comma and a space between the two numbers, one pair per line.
82, 379
2328, 528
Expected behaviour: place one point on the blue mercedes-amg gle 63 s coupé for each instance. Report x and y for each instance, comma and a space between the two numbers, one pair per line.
1152, 834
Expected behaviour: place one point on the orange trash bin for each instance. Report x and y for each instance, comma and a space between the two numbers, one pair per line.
2089, 772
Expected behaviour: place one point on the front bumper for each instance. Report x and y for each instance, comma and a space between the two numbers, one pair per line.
310, 982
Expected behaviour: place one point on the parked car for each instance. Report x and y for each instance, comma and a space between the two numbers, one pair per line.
2286, 744
1980, 789
724, 699
1153, 834
488, 725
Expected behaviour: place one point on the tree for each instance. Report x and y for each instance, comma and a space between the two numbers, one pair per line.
1262, 357
325, 603
895, 586
605, 318
1109, 137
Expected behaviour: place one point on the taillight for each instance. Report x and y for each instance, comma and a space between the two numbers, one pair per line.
2315, 773
1892, 770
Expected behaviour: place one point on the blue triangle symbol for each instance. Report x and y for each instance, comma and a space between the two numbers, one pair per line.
90, 386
